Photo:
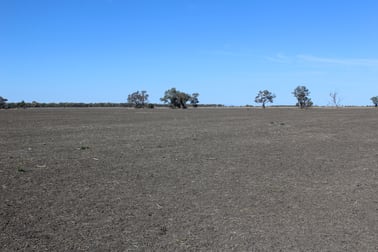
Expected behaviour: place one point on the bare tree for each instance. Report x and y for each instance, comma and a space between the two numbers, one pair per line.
335, 99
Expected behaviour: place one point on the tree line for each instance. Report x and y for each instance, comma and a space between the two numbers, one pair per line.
173, 97
178, 99
302, 93
34, 104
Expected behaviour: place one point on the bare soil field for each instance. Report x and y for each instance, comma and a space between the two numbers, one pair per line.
246, 179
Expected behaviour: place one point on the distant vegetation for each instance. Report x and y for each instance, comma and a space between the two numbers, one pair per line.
335, 99
3, 102
178, 99
13, 105
35, 104
138, 99
174, 98
302, 94
264, 97
374, 100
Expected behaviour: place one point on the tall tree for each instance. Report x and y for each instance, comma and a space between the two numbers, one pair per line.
302, 93
176, 98
138, 99
374, 99
335, 99
3, 102
264, 96
194, 99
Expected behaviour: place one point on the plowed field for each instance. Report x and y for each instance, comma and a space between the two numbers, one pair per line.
216, 179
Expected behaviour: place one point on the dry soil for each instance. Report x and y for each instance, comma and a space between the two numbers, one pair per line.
217, 179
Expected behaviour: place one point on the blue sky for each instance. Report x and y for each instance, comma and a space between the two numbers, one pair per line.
227, 50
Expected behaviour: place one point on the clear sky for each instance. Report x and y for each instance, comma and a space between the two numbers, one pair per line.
226, 50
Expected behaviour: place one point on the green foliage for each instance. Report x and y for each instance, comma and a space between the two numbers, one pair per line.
21, 104
178, 99
138, 99
302, 93
264, 96
308, 103
34, 104
3, 102
194, 99
69, 105
374, 99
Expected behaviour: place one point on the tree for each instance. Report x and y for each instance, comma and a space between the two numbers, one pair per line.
194, 99
34, 104
139, 99
21, 104
302, 93
335, 99
3, 102
176, 98
264, 96
374, 100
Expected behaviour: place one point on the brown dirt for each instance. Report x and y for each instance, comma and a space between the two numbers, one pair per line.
189, 180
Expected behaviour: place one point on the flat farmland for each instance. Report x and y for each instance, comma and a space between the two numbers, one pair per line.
216, 179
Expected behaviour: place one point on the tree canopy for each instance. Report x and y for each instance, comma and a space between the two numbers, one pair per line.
194, 99
302, 94
374, 99
178, 99
138, 99
3, 102
264, 96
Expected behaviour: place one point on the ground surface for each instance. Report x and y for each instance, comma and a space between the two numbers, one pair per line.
279, 179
